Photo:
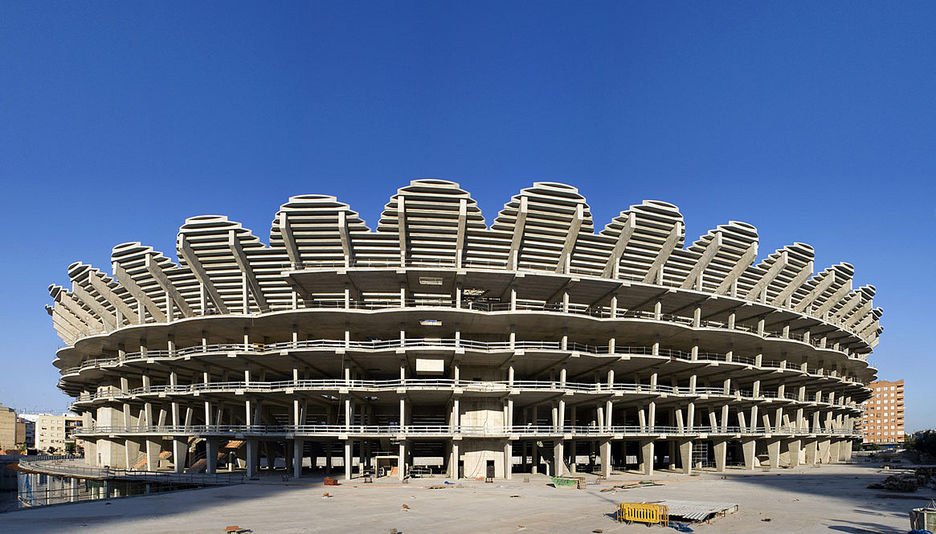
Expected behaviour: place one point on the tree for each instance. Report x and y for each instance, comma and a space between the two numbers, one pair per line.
922, 442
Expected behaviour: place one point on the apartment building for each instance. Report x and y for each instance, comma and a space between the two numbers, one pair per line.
883, 420
7, 428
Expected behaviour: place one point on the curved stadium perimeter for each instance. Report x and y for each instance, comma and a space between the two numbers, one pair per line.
438, 344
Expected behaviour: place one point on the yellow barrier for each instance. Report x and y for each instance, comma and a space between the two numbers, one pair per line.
652, 514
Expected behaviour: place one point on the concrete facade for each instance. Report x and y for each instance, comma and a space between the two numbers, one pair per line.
439, 344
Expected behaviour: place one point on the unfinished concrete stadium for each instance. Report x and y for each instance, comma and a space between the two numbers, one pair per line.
437, 344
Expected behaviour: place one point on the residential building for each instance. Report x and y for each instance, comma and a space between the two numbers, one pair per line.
25, 433
7, 428
54, 432
883, 419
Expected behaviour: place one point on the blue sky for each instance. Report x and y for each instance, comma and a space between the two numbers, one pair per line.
813, 122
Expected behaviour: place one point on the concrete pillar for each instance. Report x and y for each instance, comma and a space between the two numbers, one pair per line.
773, 452
606, 458
508, 460
793, 449
721, 454
402, 461
536, 456
573, 445
835, 450
453, 463
646, 456
846, 451
253, 452
298, 447
685, 455
824, 452
812, 451
348, 445
749, 450
211, 456
179, 450
558, 455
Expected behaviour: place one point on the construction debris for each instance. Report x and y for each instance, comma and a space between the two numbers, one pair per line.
698, 511
908, 481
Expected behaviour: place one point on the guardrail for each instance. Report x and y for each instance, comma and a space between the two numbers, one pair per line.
439, 344
440, 383
73, 470
451, 430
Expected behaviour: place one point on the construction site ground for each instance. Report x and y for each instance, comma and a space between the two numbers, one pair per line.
828, 498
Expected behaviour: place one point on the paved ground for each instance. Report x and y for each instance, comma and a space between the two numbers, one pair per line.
827, 499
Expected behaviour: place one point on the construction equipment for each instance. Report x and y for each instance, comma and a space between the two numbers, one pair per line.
640, 512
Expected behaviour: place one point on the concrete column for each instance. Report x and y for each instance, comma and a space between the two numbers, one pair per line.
812, 451
298, 450
835, 450
508, 460
646, 456
748, 450
453, 463
402, 461
606, 458
793, 450
685, 455
721, 454
179, 451
253, 450
348, 445
536, 456
824, 452
211, 456
558, 454
773, 452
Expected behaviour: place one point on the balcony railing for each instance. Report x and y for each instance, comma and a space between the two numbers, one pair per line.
452, 430
440, 383
431, 343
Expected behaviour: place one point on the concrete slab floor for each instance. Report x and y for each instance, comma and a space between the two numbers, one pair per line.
829, 499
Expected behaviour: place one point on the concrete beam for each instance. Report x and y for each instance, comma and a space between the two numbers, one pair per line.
513, 259
289, 240
654, 273
462, 232
186, 252
570, 239
761, 286
795, 284
124, 279
98, 283
820, 288
170, 289
240, 257
710, 250
614, 260
108, 318
739, 268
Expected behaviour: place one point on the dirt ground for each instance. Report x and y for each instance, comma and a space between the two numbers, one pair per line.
830, 499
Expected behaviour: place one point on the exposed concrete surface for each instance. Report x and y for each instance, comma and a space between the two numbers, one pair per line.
829, 499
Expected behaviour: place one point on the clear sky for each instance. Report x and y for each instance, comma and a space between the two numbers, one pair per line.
815, 123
